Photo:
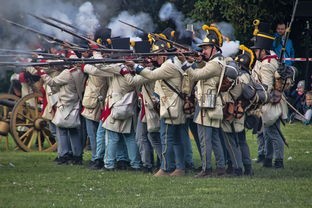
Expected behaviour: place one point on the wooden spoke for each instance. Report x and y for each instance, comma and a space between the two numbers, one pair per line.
32, 139
26, 133
27, 117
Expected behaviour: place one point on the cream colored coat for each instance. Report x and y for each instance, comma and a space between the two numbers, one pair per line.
96, 87
238, 124
264, 72
69, 91
208, 78
171, 105
118, 87
151, 117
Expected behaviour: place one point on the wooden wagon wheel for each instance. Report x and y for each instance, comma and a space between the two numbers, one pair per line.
5, 114
30, 131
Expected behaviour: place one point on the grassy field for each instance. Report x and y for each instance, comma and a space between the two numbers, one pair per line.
33, 180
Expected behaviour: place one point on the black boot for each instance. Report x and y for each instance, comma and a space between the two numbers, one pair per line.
229, 170
237, 172
122, 165
267, 163
260, 158
65, 159
77, 160
248, 170
98, 164
278, 163
204, 173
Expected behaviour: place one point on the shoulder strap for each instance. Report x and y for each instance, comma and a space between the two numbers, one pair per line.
174, 89
221, 76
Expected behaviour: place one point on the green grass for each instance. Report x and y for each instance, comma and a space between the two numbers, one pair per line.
33, 180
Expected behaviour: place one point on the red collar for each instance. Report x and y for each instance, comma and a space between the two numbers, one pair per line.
270, 57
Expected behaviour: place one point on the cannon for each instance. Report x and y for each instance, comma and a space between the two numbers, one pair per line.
21, 118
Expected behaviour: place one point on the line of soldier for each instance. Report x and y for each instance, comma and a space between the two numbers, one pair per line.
133, 109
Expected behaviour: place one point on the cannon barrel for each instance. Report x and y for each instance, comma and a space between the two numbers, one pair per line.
7, 103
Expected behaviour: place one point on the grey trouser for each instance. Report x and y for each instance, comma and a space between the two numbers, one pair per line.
232, 146
244, 148
210, 140
147, 141
274, 144
69, 140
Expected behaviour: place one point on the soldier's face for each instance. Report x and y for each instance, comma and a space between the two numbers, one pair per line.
207, 51
281, 29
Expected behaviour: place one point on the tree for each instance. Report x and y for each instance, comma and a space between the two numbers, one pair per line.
241, 13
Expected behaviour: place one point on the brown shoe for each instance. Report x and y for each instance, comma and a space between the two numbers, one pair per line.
178, 172
161, 173
221, 171
204, 174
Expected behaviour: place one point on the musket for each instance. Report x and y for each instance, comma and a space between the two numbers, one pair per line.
68, 62
106, 50
19, 52
40, 33
66, 30
159, 37
288, 32
164, 54
281, 134
64, 23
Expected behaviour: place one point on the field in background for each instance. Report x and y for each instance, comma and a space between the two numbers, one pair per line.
33, 180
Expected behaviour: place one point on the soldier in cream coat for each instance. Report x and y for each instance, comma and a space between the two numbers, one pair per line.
172, 117
148, 125
208, 113
70, 95
93, 104
117, 128
271, 112
233, 124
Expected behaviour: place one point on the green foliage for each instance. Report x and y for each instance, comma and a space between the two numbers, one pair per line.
33, 180
241, 13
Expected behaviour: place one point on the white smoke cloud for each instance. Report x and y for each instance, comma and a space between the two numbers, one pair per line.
86, 19
79, 13
169, 12
230, 48
226, 29
141, 20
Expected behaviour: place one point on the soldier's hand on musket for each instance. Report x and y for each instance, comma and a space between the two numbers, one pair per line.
147, 62
199, 58
181, 57
130, 63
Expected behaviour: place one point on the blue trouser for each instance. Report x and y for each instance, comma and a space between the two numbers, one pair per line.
113, 144
172, 146
188, 152
92, 127
261, 147
69, 140
274, 144
210, 140
146, 142
101, 141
